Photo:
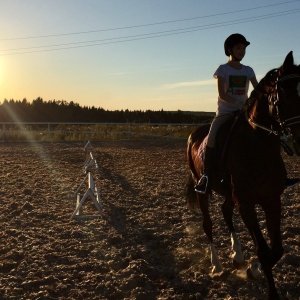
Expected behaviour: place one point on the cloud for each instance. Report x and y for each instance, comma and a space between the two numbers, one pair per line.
189, 84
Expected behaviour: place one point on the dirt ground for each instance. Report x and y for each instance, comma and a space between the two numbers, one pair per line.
148, 245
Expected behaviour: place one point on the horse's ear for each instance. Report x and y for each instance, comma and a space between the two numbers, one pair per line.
288, 62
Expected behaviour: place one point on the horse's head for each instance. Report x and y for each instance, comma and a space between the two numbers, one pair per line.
285, 98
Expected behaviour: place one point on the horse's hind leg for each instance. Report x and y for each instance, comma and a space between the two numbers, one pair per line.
227, 210
207, 227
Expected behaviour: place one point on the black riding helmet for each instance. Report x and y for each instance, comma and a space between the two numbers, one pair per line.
234, 39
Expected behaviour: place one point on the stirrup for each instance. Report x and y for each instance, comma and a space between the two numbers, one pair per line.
199, 186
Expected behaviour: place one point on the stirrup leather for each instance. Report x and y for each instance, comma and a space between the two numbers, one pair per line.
203, 191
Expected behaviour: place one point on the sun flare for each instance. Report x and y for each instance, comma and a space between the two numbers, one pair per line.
1, 72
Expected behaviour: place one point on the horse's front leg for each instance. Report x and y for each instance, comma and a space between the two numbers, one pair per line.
227, 210
207, 227
263, 251
273, 222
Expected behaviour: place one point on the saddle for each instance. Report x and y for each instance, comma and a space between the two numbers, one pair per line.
222, 139
224, 135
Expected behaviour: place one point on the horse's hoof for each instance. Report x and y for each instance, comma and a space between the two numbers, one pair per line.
215, 274
237, 265
254, 272
274, 296
217, 270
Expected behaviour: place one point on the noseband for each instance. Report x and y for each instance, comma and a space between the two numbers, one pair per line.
274, 101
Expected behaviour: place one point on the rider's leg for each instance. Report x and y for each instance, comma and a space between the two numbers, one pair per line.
203, 184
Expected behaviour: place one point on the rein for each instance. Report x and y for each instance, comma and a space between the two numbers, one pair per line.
273, 99
270, 130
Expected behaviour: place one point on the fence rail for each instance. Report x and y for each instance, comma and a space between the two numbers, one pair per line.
44, 131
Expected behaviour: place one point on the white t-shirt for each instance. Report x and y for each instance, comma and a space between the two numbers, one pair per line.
236, 85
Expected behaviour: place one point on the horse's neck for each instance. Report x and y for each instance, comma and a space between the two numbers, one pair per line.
259, 112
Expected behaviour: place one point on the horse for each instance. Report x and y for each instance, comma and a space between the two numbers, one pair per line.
249, 169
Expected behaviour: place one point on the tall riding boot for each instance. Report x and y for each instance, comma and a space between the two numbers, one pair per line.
203, 184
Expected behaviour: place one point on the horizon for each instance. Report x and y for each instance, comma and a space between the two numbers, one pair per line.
83, 105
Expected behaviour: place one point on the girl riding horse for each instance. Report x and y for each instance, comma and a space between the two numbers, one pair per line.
233, 83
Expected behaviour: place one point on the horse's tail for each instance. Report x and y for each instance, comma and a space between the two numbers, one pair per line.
191, 197
190, 160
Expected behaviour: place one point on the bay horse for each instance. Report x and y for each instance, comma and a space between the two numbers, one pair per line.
251, 170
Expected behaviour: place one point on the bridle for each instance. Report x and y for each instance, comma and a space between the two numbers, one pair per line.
273, 102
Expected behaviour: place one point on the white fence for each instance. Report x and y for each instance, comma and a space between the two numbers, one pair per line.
18, 131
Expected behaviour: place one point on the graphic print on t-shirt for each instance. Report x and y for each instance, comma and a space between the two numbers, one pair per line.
237, 85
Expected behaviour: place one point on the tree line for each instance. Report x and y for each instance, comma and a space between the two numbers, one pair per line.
39, 110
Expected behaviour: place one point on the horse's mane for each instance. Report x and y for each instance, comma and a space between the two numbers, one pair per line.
269, 78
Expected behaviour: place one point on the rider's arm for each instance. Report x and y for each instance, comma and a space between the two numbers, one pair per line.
254, 82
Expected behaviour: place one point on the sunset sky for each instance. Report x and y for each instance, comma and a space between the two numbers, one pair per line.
136, 54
